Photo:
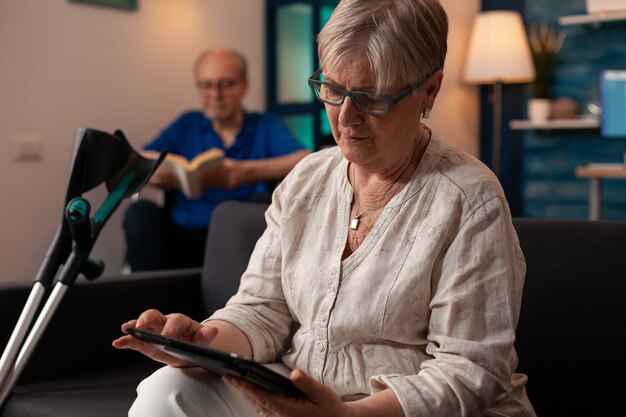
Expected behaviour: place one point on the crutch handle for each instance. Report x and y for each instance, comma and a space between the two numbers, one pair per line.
77, 216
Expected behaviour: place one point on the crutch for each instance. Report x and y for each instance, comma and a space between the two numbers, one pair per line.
98, 157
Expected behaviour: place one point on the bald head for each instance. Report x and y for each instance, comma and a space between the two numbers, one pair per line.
238, 61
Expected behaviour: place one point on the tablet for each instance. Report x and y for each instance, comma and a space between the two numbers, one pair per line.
218, 362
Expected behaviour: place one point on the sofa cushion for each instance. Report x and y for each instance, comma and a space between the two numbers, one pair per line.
74, 367
99, 394
93, 312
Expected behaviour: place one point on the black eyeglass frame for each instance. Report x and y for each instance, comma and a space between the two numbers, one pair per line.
390, 100
220, 85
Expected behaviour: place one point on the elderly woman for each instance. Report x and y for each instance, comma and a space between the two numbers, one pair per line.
389, 277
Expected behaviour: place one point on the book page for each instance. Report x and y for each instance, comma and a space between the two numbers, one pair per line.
188, 173
207, 160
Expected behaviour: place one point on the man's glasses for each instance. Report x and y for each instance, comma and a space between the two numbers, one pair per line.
220, 85
364, 101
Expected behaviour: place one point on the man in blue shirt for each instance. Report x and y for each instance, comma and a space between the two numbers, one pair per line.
257, 149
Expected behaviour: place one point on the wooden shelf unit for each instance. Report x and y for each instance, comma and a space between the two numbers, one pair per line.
593, 18
581, 123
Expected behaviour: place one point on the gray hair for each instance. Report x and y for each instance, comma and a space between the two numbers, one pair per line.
403, 40
243, 64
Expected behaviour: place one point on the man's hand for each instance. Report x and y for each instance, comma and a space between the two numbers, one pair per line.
230, 175
233, 173
164, 178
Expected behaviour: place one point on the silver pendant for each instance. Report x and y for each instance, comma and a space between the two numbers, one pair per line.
354, 223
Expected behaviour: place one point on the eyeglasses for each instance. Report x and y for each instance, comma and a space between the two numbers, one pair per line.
220, 85
364, 101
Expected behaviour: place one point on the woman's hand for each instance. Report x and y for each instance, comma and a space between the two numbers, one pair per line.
316, 399
177, 326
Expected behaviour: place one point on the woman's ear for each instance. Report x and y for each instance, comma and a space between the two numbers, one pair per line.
432, 85
431, 88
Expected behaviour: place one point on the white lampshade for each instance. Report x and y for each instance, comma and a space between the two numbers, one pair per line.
499, 50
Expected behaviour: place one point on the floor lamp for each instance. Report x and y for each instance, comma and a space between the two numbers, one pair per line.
498, 54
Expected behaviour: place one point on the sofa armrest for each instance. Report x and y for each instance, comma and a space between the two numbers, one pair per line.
78, 338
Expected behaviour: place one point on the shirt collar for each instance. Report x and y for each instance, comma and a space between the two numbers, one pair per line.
246, 127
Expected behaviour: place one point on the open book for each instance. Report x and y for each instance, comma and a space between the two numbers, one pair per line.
188, 172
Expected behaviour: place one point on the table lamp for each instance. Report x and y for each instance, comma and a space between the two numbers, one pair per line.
498, 54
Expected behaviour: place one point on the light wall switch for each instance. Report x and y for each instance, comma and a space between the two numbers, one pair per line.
28, 147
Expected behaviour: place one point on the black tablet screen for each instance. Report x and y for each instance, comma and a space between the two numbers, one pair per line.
218, 362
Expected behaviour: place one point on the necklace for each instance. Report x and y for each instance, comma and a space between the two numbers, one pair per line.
354, 223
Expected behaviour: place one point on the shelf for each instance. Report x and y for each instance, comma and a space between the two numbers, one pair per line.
593, 18
601, 170
582, 123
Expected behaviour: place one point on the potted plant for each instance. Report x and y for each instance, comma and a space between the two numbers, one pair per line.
545, 43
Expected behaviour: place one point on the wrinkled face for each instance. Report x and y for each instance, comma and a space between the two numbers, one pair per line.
379, 143
220, 86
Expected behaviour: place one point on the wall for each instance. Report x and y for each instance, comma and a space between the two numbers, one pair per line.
455, 116
551, 188
67, 65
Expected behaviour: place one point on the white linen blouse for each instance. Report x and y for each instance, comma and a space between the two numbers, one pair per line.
427, 305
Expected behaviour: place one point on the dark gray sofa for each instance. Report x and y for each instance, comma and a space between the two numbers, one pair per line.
569, 335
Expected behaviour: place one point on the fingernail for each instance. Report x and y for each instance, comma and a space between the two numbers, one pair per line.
120, 344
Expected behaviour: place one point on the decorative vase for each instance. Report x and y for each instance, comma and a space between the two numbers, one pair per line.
564, 108
539, 109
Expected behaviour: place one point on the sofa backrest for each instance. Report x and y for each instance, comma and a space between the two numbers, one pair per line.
573, 317
573, 307
235, 228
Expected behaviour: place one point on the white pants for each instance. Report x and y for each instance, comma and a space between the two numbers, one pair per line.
188, 392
